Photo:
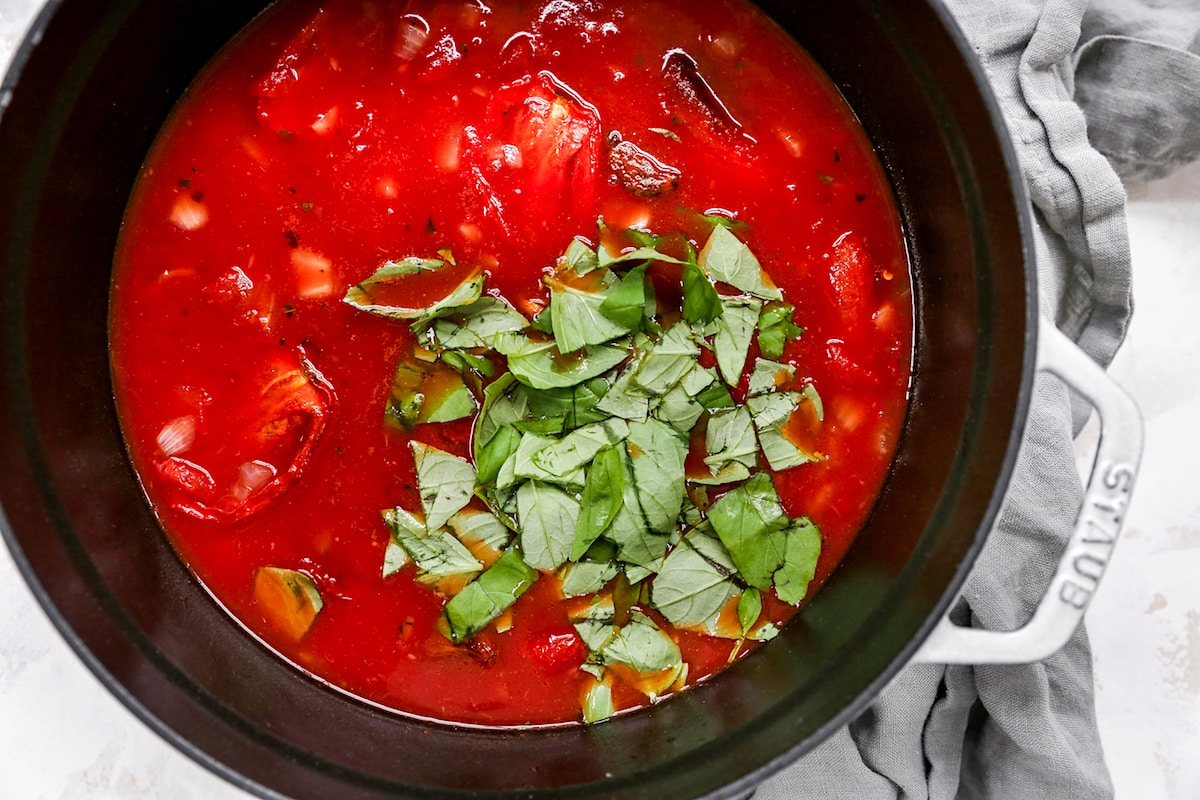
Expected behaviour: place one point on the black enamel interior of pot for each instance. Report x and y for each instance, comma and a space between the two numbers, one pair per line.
82, 116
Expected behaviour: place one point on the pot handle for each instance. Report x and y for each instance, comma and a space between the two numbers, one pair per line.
1105, 501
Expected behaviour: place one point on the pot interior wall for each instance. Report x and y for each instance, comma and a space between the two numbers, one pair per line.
84, 113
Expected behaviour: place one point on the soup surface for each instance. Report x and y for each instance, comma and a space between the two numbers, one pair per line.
512, 364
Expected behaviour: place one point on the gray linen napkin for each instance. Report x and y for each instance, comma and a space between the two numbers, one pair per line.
1029, 731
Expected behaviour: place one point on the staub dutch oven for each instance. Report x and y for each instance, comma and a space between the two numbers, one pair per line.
87, 94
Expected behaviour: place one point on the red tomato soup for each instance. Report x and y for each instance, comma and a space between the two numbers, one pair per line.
512, 364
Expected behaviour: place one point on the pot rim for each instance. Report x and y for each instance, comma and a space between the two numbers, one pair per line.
1023, 212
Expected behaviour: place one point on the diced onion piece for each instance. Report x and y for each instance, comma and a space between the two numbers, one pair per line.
792, 141
326, 122
851, 413
252, 476
449, 152
387, 187
314, 273
188, 214
727, 45
471, 232
177, 436
414, 32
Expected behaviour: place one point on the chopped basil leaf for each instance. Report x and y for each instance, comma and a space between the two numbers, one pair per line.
482, 533
575, 405
625, 304
395, 558
541, 365
392, 275
598, 703
771, 412
504, 403
716, 397
579, 320
735, 329
580, 257
603, 495
700, 301
749, 608
487, 597
525, 467
548, 517
474, 326
444, 481
678, 409
439, 555
624, 399
730, 440
776, 329
647, 650
770, 376
634, 256
545, 426
587, 577
802, 550
662, 366
580, 446
428, 392
810, 392
695, 583
725, 259
749, 521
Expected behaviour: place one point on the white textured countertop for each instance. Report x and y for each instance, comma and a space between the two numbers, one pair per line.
64, 737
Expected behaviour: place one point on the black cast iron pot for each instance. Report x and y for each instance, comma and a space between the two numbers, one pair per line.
84, 108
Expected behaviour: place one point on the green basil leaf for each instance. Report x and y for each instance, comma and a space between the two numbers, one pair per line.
678, 409
646, 649
579, 320
667, 361
487, 597
749, 609
438, 555
607, 259
716, 397
596, 624
810, 393
525, 467
389, 279
749, 521
730, 439
491, 457
587, 577
598, 703
625, 400
546, 426
776, 329
695, 583
580, 446
541, 365
580, 257
603, 495
395, 558
481, 532
770, 376
427, 392
725, 259
700, 301
801, 553
575, 405
735, 330
625, 304
771, 412
444, 481
474, 326
548, 517
504, 404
